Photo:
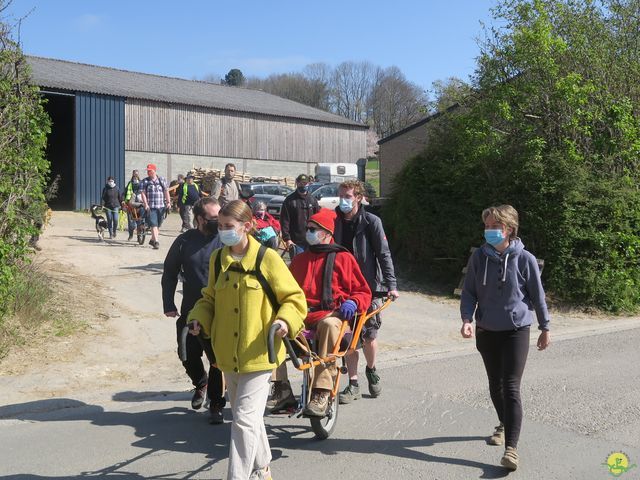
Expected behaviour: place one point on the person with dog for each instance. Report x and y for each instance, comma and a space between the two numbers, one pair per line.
188, 194
294, 215
111, 200
361, 232
189, 255
155, 198
133, 200
249, 289
501, 288
227, 189
336, 290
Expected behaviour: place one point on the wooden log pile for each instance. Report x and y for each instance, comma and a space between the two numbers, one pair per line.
207, 178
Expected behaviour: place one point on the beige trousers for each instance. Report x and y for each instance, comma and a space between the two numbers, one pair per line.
249, 448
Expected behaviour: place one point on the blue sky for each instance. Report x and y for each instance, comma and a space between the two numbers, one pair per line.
427, 40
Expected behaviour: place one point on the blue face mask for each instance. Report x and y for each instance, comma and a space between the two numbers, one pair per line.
346, 205
493, 237
229, 237
312, 237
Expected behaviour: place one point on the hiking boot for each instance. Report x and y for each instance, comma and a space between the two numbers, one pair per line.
374, 382
282, 396
498, 436
510, 458
349, 394
262, 474
156, 245
130, 237
215, 415
317, 407
198, 397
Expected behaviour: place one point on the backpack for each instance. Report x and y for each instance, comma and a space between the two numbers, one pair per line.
256, 272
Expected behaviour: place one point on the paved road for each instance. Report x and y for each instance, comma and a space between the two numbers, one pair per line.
121, 408
582, 402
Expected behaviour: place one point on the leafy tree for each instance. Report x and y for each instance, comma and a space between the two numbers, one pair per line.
24, 126
553, 129
234, 78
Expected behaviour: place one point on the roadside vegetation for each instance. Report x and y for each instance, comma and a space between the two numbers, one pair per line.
551, 126
27, 296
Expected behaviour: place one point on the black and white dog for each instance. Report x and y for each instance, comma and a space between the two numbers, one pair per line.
101, 222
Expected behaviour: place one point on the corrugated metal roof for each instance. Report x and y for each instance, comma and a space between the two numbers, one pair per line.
80, 77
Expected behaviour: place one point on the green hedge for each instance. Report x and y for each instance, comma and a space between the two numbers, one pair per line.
553, 130
24, 126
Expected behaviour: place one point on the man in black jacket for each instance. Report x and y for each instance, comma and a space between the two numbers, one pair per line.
296, 210
362, 233
189, 255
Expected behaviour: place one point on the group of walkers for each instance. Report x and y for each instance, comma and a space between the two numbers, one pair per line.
142, 198
149, 199
235, 288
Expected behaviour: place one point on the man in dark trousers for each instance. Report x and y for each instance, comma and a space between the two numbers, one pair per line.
188, 195
362, 234
296, 210
189, 256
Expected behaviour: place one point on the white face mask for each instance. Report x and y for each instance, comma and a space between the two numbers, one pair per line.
230, 237
112, 184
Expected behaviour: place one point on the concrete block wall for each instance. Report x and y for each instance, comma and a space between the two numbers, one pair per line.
170, 165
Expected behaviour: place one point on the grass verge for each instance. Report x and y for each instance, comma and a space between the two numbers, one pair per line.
38, 312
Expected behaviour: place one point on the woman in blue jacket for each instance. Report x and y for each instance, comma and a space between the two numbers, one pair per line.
502, 287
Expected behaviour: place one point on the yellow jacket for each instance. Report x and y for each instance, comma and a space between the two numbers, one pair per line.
236, 313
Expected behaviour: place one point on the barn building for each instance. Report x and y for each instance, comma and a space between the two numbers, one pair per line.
107, 121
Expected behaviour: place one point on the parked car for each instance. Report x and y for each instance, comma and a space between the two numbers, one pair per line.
274, 206
265, 189
327, 196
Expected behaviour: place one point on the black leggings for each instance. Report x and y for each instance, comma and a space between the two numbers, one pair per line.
195, 369
505, 355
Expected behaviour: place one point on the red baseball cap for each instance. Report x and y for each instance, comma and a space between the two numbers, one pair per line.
152, 166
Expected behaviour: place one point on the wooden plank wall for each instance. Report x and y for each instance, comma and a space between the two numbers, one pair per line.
182, 129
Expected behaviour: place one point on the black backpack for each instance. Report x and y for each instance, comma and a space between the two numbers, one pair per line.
256, 272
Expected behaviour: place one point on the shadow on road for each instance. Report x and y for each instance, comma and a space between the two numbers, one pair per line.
403, 448
179, 429
156, 268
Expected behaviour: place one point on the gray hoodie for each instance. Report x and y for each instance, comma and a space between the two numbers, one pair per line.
505, 288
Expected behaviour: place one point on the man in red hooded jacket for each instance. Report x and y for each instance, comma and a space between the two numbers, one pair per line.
335, 289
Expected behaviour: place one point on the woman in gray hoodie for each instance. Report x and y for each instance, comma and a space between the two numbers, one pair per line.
501, 289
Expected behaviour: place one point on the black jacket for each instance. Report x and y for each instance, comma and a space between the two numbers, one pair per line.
189, 254
295, 212
371, 249
111, 197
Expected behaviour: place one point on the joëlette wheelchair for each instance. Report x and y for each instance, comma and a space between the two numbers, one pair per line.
301, 355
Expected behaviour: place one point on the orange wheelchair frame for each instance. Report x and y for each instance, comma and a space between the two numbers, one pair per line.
307, 360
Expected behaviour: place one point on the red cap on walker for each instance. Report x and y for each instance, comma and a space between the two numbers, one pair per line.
326, 219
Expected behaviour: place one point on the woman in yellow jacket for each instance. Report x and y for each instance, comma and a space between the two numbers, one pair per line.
236, 313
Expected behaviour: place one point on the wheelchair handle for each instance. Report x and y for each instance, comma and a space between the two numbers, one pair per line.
182, 346
287, 343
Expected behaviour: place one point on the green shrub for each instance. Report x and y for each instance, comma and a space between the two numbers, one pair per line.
554, 130
24, 126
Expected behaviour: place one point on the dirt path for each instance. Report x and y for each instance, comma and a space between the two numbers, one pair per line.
128, 348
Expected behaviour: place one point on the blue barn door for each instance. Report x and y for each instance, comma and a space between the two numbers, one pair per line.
99, 148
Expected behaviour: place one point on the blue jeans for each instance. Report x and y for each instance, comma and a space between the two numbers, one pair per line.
112, 219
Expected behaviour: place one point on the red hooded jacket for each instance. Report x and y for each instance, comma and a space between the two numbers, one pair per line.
267, 221
347, 283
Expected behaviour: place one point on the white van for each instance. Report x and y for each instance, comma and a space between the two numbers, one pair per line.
336, 172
